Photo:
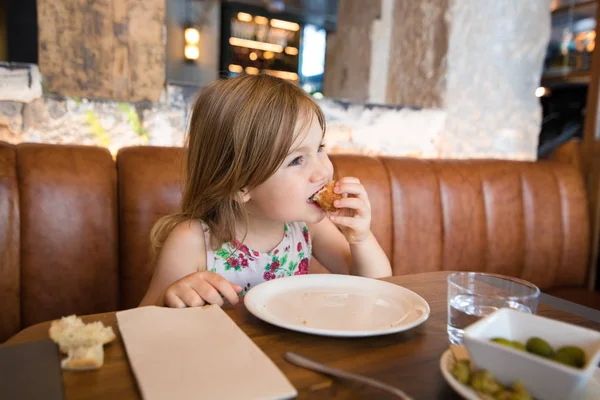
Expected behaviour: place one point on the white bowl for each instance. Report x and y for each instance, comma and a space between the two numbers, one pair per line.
544, 378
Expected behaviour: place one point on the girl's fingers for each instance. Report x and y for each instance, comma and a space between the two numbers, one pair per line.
349, 222
353, 203
190, 297
224, 287
172, 300
351, 188
355, 190
348, 179
201, 288
208, 293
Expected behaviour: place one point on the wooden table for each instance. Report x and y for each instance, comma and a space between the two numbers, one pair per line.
408, 360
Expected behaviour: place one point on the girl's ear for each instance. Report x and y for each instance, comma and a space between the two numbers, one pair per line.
244, 195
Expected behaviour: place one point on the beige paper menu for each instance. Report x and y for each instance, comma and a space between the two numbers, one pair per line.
197, 353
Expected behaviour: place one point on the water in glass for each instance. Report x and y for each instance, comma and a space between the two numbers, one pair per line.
465, 309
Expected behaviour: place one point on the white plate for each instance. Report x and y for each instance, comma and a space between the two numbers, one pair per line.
589, 392
337, 305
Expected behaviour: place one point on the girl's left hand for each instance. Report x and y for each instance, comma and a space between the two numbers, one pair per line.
354, 216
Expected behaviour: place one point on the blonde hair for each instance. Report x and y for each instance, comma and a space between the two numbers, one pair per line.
241, 129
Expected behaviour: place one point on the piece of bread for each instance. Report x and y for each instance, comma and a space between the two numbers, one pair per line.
84, 358
82, 342
325, 197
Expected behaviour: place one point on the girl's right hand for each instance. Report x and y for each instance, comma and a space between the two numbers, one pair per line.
200, 288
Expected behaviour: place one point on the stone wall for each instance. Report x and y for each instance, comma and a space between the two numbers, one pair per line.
27, 115
416, 56
495, 57
53, 118
453, 79
108, 49
348, 57
383, 130
478, 63
30, 116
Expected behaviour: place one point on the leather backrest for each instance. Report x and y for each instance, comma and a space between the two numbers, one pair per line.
10, 273
149, 188
516, 218
70, 242
68, 203
373, 175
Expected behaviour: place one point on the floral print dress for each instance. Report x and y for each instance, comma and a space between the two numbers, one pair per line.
247, 267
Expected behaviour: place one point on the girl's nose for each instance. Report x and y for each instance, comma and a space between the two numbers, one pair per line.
320, 171
317, 175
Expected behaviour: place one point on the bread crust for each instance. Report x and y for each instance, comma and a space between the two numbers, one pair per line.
326, 196
84, 358
83, 343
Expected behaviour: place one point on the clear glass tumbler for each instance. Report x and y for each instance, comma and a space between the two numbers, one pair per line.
474, 295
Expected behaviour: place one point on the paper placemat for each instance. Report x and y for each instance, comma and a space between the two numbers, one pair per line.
197, 353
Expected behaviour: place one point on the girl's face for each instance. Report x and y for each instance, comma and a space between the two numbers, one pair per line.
285, 195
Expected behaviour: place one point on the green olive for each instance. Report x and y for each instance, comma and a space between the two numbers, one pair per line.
462, 371
564, 358
575, 353
508, 395
505, 395
484, 382
502, 341
518, 345
521, 391
509, 343
539, 346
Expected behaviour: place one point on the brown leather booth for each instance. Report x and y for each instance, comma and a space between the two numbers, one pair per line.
74, 223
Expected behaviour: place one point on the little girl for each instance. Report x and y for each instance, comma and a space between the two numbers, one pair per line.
254, 159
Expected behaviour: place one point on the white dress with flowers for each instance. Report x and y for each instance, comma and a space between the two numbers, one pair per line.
247, 267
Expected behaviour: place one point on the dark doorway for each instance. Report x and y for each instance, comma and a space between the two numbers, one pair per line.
21, 30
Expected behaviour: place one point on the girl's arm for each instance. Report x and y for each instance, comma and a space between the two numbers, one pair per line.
350, 247
332, 250
180, 278
182, 254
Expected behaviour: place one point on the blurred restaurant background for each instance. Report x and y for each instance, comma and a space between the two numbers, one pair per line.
454, 79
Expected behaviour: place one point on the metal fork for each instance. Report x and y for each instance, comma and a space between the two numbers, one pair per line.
307, 363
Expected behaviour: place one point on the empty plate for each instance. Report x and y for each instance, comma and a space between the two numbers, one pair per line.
337, 305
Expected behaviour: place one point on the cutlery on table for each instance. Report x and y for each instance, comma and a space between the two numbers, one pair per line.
307, 363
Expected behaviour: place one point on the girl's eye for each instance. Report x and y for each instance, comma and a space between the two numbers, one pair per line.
321, 147
296, 161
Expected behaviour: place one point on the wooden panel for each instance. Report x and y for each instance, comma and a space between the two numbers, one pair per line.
112, 49
591, 147
348, 57
591, 151
419, 40
593, 193
10, 243
408, 360
569, 153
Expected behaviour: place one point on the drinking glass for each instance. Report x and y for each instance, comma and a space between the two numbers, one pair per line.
474, 295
